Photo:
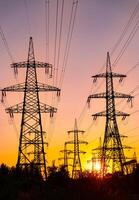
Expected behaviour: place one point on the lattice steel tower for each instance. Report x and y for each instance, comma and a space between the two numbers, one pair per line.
65, 157
31, 142
76, 168
113, 157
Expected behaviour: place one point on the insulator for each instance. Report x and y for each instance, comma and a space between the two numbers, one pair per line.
4, 93
58, 93
130, 100
124, 117
131, 103
51, 73
15, 71
95, 80
46, 70
11, 114
51, 114
88, 102
121, 79
94, 118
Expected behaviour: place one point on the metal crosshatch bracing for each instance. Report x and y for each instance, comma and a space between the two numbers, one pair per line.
31, 150
112, 151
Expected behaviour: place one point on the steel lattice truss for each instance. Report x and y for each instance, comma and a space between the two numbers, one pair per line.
112, 155
66, 157
31, 143
76, 167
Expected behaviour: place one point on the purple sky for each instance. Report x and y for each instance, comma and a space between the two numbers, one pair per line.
98, 25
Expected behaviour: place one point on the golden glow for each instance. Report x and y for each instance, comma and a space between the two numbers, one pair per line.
97, 166
88, 166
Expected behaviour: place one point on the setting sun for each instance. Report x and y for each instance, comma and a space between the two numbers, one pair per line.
93, 166
97, 166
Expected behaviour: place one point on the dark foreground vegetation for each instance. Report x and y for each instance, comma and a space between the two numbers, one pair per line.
28, 185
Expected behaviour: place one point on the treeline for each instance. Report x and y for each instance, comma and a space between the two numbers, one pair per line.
28, 184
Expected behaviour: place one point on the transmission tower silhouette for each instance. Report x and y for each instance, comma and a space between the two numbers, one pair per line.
65, 157
76, 167
31, 150
112, 157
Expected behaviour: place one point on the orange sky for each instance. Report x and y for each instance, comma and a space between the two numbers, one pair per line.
98, 26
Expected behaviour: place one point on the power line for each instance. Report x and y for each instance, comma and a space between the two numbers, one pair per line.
126, 28
27, 17
47, 27
69, 38
68, 43
56, 33
6, 44
59, 43
130, 37
132, 68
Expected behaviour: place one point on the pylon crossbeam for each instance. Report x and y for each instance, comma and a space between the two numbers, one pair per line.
31, 141
114, 75
117, 113
18, 108
112, 150
31, 88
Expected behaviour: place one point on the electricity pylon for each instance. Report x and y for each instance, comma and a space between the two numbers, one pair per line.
76, 167
31, 141
113, 157
65, 157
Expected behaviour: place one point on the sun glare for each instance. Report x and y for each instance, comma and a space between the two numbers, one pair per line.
89, 166
97, 166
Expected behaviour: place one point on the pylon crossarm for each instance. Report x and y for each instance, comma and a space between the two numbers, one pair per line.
121, 95
103, 75
18, 108
96, 149
69, 142
14, 88
83, 142
21, 88
44, 87
79, 131
103, 95
44, 108
65, 150
103, 114
25, 64
99, 95
83, 152
118, 148
36, 64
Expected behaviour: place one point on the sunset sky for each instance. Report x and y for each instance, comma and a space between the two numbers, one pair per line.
98, 26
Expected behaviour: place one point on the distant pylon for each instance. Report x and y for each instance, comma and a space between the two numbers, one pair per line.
65, 157
31, 141
77, 167
113, 157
